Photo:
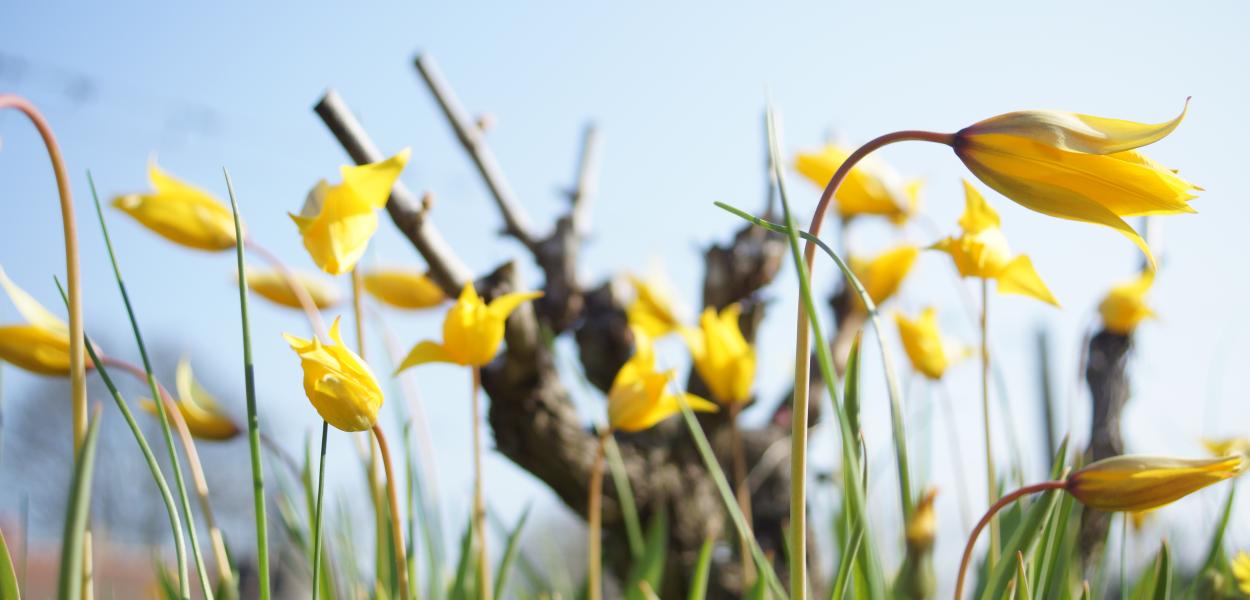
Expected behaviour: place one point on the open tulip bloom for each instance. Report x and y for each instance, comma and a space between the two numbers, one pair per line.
871, 188
651, 309
472, 330
722, 356
41, 345
929, 351
639, 396
180, 212
1124, 307
883, 274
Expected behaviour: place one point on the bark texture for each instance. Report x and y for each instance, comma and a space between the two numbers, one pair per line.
1107, 359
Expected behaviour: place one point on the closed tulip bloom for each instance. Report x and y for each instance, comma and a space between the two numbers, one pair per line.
272, 286
928, 350
41, 345
651, 310
982, 251
639, 396
205, 418
1136, 483
1125, 305
1241, 572
337, 221
338, 382
871, 188
180, 212
722, 356
404, 289
472, 330
883, 274
1076, 167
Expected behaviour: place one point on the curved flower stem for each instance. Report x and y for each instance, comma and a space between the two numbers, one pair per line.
216, 539
594, 521
376, 492
798, 436
317, 534
479, 507
301, 294
397, 532
77, 359
253, 415
989, 515
991, 478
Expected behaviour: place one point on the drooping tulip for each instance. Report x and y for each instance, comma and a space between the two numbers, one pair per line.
204, 417
273, 286
639, 397
722, 356
41, 345
180, 212
338, 382
472, 330
928, 350
651, 309
402, 288
871, 188
981, 251
1136, 483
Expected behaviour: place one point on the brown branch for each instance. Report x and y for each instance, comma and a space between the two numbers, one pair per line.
1109, 390
446, 268
587, 181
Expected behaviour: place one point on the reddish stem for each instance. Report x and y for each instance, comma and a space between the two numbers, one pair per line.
989, 514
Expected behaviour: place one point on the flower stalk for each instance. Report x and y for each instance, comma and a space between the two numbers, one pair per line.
479, 507
594, 521
991, 478
989, 516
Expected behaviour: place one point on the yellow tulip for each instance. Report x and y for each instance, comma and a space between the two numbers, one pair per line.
982, 251
337, 221
1136, 483
922, 527
1241, 572
639, 396
928, 350
338, 382
1125, 305
871, 188
651, 310
39, 346
205, 418
722, 356
180, 212
883, 274
1076, 167
472, 330
272, 286
404, 289
1228, 446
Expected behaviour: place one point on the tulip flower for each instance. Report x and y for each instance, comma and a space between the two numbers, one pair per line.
639, 396
180, 212
41, 345
1241, 572
404, 289
722, 356
273, 286
205, 418
883, 274
871, 188
338, 382
1125, 305
1076, 167
1136, 483
472, 330
1229, 446
337, 221
929, 351
982, 251
651, 310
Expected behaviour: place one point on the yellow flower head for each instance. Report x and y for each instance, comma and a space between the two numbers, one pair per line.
871, 188
472, 330
1136, 483
982, 251
337, 221
651, 310
1075, 166
722, 356
639, 396
39, 346
929, 351
1241, 572
338, 382
205, 418
883, 274
922, 527
180, 212
404, 289
1125, 305
272, 286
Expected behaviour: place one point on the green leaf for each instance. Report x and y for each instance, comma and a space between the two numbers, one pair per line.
850, 387
461, 585
77, 512
702, 567
8, 576
1163, 574
654, 557
509, 554
1056, 549
1022, 579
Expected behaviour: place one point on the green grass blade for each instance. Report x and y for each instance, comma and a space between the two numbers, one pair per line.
206, 587
509, 555
461, 585
8, 576
1163, 574
702, 568
846, 562
1023, 591
253, 417
850, 388
650, 568
625, 497
77, 511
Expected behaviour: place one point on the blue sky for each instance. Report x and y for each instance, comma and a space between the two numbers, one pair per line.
678, 92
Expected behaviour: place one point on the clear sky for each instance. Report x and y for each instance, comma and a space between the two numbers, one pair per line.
678, 91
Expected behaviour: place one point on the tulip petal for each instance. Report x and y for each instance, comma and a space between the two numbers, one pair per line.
1019, 277
1076, 132
698, 404
503, 306
424, 352
372, 183
978, 215
29, 308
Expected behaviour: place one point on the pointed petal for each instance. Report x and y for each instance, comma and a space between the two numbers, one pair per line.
699, 404
29, 308
424, 352
373, 182
1019, 277
1076, 132
503, 306
978, 215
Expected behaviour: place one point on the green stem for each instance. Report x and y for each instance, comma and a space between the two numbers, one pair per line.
206, 586
594, 520
991, 478
253, 417
321, 489
989, 515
